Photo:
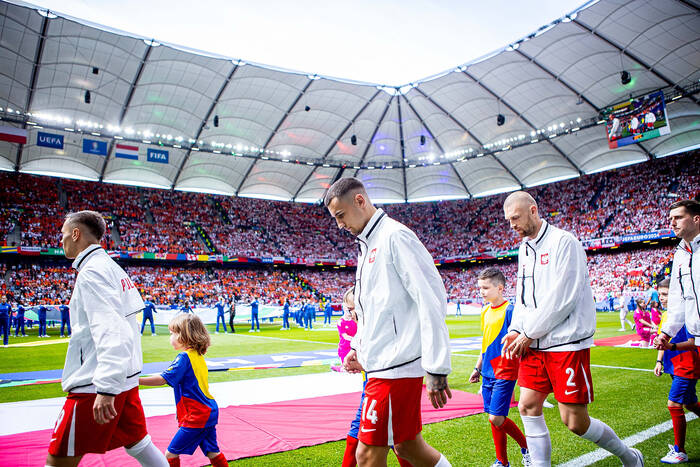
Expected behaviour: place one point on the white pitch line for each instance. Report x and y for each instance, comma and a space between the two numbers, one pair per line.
599, 454
622, 368
285, 339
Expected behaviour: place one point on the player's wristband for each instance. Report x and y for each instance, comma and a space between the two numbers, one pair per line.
659, 361
477, 370
674, 347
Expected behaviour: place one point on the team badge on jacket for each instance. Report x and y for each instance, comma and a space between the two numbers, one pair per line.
544, 259
372, 255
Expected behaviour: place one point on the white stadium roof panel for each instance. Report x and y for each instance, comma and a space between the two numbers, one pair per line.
252, 130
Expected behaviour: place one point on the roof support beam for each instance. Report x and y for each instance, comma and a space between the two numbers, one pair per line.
403, 151
336, 140
558, 79
635, 58
523, 118
374, 133
689, 4
432, 136
464, 128
274, 132
214, 103
32, 83
125, 107
650, 156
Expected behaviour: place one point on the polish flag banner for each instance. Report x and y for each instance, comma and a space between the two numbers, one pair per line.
13, 135
126, 151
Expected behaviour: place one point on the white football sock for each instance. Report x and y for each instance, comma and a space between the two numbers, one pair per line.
538, 442
147, 453
443, 462
602, 435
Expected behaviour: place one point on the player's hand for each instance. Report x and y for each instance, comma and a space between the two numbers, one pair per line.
474, 378
103, 409
506, 341
518, 346
658, 369
661, 342
438, 390
351, 364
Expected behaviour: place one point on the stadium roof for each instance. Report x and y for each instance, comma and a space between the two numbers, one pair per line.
253, 130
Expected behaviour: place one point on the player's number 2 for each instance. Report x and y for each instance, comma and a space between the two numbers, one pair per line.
570, 381
369, 414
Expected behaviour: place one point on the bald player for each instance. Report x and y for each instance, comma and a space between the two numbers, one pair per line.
552, 331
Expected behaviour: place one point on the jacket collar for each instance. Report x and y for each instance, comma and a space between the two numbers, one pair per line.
79, 260
371, 225
540, 235
694, 244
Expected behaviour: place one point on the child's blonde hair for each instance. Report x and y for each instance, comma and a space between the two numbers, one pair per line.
349, 298
191, 331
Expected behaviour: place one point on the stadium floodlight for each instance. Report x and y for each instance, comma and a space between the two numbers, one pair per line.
422, 140
500, 119
87, 97
216, 121
625, 77
353, 140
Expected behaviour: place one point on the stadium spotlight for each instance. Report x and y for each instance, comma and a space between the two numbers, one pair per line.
95, 70
87, 97
625, 77
307, 108
422, 140
353, 140
216, 121
500, 120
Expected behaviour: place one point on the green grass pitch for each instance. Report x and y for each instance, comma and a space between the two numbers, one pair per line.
629, 401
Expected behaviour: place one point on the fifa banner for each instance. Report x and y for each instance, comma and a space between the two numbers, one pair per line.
637, 120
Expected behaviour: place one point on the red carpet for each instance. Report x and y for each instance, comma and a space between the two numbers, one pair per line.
616, 340
245, 431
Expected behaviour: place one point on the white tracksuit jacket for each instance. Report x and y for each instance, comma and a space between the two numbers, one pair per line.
104, 353
400, 302
684, 291
554, 300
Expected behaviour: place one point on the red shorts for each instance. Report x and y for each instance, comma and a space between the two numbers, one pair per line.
567, 374
391, 411
77, 433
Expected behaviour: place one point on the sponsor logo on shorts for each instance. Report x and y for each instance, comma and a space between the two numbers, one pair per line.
365, 430
570, 392
544, 259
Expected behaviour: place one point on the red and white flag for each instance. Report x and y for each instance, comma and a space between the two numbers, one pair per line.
13, 134
126, 151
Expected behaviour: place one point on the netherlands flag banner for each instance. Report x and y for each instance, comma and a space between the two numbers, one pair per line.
126, 151
13, 135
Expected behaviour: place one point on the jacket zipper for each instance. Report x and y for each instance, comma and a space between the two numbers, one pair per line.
359, 280
692, 282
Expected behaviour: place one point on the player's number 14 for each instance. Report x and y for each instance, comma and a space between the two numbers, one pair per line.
369, 414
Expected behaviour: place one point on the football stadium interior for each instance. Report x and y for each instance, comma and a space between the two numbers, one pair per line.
210, 172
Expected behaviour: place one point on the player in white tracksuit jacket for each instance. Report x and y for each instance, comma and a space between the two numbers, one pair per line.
103, 361
401, 305
684, 291
400, 300
552, 331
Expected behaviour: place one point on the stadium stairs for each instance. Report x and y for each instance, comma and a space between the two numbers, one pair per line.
205, 239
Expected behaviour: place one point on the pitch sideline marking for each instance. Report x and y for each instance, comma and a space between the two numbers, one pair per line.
60, 340
286, 339
599, 454
622, 368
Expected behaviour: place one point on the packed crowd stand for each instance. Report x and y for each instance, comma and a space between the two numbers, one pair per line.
32, 284
622, 201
